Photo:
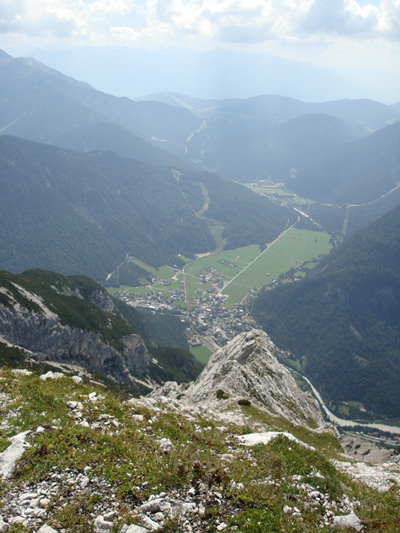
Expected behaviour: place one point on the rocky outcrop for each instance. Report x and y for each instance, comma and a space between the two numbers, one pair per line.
246, 371
48, 340
102, 301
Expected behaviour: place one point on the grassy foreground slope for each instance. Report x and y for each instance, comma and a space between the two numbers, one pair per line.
343, 322
104, 457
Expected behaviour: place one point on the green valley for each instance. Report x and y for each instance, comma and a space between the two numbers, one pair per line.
211, 293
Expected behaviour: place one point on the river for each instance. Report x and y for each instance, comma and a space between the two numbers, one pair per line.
349, 423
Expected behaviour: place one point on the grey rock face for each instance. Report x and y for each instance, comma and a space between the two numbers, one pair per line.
247, 369
103, 301
45, 336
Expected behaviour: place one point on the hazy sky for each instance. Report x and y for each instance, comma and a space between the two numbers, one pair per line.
362, 33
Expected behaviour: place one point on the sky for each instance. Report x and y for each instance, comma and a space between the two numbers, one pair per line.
338, 34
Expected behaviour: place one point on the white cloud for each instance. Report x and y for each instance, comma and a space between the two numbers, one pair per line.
219, 21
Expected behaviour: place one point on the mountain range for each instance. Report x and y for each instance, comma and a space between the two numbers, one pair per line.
84, 213
220, 74
240, 139
89, 179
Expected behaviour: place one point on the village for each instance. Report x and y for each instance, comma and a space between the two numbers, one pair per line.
207, 320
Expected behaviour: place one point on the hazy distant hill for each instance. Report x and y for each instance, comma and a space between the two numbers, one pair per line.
343, 323
41, 104
218, 74
362, 115
84, 213
241, 139
109, 136
355, 173
245, 149
270, 135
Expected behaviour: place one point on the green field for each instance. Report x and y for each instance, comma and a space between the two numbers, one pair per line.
164, 272
184, 259
201, 353
236, 293
228, 263
272, 191
291, 250
225, 262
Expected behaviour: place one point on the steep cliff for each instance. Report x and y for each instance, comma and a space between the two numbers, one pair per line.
66, 323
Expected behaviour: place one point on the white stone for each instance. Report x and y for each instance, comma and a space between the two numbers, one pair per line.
84, 482
350, 520
149, 524
264, 438
28, 496
10, 456
139, 418
77, 379
34, 503
222, 526
102, 524
17, 520
4, 527
51, 375
21, 372
40, 513
40, 430
136, 529
110, 516
47, 529
287, 510
153, 506
165, 444
380, 477
188, 507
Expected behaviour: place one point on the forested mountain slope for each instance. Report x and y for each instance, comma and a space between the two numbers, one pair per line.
84, 213
357, 172
343, 323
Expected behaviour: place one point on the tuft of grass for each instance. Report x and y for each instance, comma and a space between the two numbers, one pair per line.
257, 521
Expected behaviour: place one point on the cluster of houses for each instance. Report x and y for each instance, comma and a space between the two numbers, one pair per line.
205, 316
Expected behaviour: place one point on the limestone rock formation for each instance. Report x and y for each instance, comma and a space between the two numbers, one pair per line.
246, 371
47, 339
